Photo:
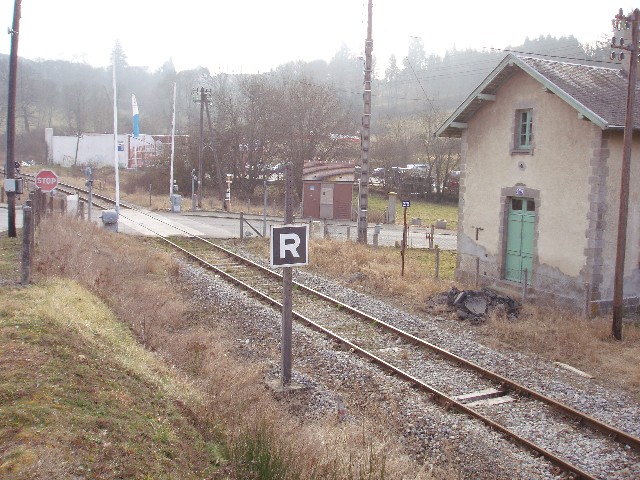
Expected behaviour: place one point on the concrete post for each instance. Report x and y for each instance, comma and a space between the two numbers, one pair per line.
391, 208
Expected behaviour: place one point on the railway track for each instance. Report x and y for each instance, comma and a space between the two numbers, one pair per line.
500, 403
487, 393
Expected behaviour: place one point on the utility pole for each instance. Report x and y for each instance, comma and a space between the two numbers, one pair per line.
211, 146
10, 168
202, 99
623, 22
363, 192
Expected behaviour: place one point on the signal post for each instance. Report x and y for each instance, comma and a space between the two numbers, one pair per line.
289, 247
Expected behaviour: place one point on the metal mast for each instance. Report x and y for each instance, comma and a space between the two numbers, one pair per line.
363, 194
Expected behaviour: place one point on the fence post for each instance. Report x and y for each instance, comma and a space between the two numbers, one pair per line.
27, 233
40, 206
525, 279
437, 262
477, 271
241, 225
33, 233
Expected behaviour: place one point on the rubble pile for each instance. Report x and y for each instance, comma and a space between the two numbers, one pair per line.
474, 305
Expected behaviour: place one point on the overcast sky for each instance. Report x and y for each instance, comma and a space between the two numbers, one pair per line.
251, 36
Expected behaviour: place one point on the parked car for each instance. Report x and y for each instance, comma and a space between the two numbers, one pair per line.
452, 184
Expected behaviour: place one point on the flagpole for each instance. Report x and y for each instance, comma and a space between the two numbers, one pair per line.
173, 135
115, 142
136, 130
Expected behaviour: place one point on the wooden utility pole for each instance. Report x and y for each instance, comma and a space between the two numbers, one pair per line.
10, 168
211, 146
621, 21
200, 145
363, 196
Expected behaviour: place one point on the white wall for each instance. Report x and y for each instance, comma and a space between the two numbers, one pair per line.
96, 150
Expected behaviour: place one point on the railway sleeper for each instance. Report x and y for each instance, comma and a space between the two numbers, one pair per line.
488, 396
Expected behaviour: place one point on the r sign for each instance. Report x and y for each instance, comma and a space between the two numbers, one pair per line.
289, 246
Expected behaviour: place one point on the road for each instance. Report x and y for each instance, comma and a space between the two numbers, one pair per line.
223, 225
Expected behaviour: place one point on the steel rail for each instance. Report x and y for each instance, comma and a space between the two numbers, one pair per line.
445, 400
512, 385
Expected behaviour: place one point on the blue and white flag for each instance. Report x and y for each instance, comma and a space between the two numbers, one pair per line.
136, 126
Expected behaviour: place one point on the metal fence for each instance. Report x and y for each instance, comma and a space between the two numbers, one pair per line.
387, 235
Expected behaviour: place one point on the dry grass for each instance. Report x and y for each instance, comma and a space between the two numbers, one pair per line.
569, 338
261, 440
379, 270
376, 270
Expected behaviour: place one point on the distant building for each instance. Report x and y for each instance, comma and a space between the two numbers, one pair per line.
98, 149
327, 190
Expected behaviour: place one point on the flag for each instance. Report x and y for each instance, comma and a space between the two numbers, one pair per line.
136, 126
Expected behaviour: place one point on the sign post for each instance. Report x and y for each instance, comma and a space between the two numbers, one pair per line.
405, 204
227, 195
89, 185
46, 180
289, 246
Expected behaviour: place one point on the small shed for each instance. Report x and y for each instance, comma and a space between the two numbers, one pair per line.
327, 190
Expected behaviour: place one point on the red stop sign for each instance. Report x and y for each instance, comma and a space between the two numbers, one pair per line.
46, 180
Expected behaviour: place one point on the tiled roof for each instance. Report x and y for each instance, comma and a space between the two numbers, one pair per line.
328, 171
598, 93
601, 90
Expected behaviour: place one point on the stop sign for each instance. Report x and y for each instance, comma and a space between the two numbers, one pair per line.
46, 180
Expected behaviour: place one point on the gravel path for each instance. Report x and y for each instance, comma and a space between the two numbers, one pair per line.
433, 436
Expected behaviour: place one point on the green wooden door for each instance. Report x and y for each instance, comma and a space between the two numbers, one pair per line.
520, 236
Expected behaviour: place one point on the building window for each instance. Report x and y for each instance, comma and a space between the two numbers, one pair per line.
524, 132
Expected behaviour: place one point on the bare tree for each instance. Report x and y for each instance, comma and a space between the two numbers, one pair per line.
441, 154
312, 119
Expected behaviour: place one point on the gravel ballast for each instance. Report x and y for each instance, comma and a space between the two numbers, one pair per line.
341, 383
